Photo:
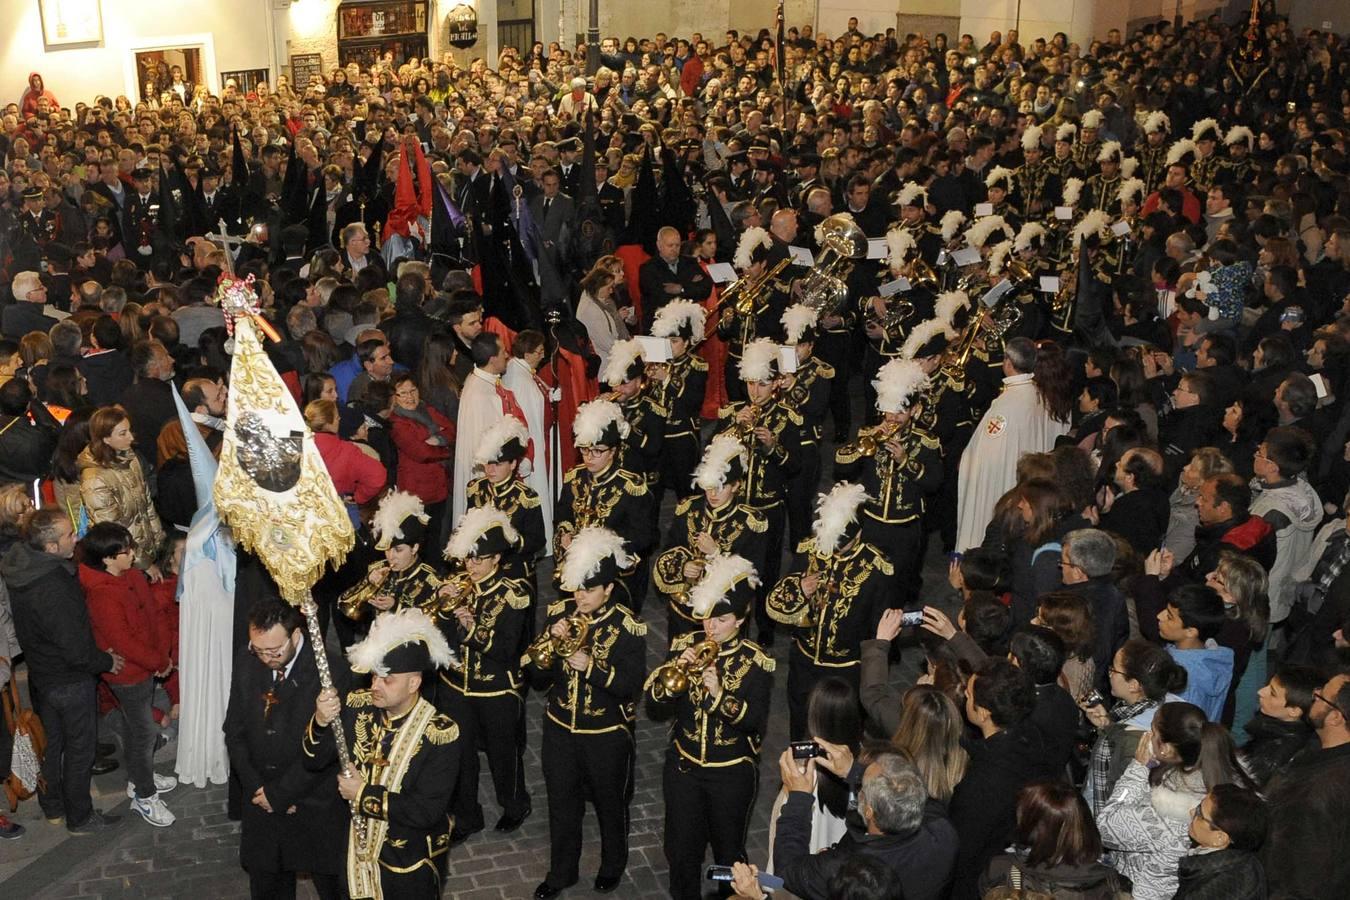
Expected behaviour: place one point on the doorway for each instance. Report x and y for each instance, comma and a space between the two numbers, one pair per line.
515, 25
149, 67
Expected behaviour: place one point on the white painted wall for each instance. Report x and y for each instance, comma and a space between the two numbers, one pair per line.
238, 29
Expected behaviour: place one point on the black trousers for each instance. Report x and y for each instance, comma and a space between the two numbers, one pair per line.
281, 885
577, 767
803, 675
801, 495
69, 714
773, 564
679, 457
903, 545
835, 348
495, 725
705, 806
731, 368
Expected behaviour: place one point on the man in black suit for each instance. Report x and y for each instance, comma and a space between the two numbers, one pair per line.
293, 817
669, 275
149, 400
569, 170
142, 222
554, 214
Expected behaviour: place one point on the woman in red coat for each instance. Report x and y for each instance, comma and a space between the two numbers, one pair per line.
425, 441
358, 476
126, 621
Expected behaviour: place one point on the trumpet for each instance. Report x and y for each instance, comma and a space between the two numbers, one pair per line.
870, 440
745, 433
455, 592
547, 649
676, 676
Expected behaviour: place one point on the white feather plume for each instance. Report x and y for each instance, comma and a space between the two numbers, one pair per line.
952, 220
949, 303
1031, 138
997, 174
677, 315
1128, 166
1157, 121
1073, 189
750, 239
592, 418
721, 572
1095, 221
796, 319
1131, 188
897, 382
923, 333
1179, 149
471, 527
835, 512
500, 432
622, 354
901, 244
1110, 150
1031, 231
819, 234
393, 509
910, 192
1066, 132
590, 547
1207, 124
1093, 118
1239, 133
999, 256
758, 360
394, 629
712, 470
978, 234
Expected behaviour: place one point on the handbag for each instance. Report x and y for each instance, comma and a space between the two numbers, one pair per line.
30, 742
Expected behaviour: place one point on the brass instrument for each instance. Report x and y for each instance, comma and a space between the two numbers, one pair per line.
824, 288
744, 295
676, 676
1062, 304
921, 274
455, 592
547, 649
871, 439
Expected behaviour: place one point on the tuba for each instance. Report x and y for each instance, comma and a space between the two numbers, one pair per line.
676, 676
842, 241
546, 649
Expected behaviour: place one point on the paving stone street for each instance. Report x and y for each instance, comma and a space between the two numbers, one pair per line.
197, 857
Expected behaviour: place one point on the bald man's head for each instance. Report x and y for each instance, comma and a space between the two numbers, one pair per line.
783, 225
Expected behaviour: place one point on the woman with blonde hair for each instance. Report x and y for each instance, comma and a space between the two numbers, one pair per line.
1241, 583
930, 732
113, 486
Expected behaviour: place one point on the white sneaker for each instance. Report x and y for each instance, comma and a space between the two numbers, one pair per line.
154, 811
163, 784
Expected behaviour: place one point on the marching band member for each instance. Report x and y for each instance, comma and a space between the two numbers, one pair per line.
833, 605
599, 491
718, 684
1205, 170
1036, 184
1238, 165
1088, 146
1152, 150
401, 579
679, 387
999, 184
899, 464
770, 431
404, 760
807, 391
593, 654
759, 315
627, 380
485, 614
500, 453
912, 201
711, 521
1062, 163
1102, 187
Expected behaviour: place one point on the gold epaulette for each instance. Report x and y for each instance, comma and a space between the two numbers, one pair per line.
682, 507
755, 521
631, 623
442, 730
359, 699
556, 608
806, 545
727, 411
760, 658
517, 593
529, 500
698, 363
847, 454
793, 416
685, 641
571, 474
635, 485
880, 562
927, 438
824, 369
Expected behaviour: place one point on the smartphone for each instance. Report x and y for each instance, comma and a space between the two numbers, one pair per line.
806, 750
717, 873
914, 617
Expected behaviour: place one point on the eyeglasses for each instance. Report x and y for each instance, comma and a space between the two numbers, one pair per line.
594, 451
1068, 564
407, 392
1199, 813
269, 653
1318, 695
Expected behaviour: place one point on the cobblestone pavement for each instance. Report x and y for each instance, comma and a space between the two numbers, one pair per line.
198, 856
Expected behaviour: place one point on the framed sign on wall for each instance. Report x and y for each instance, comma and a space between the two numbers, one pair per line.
71, 22
304, 66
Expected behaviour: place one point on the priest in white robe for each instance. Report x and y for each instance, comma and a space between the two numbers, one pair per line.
483, 402
527, 355
1017, 422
